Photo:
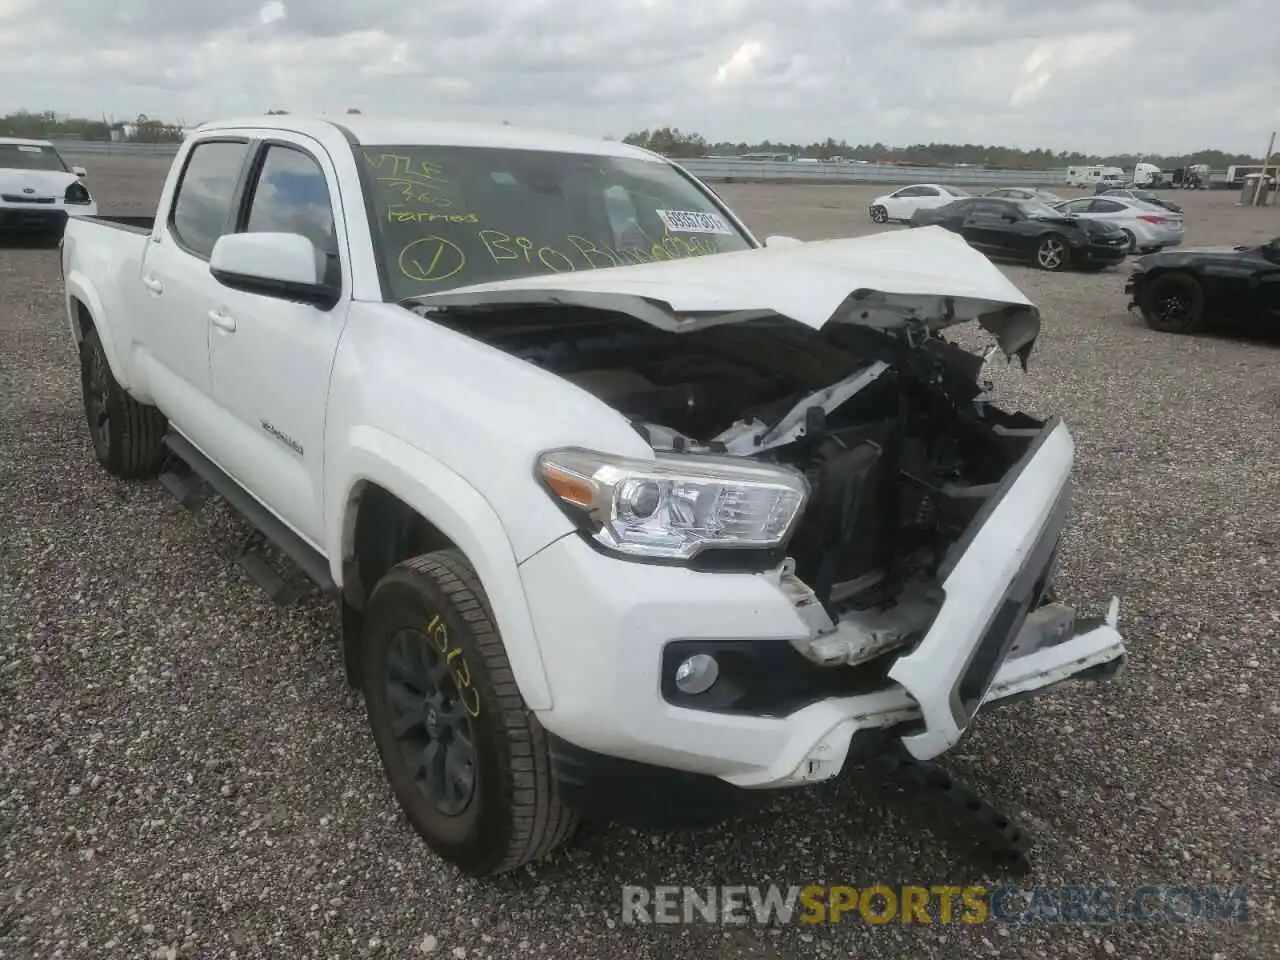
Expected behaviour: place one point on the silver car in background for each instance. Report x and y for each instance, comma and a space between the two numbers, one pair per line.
1150, 228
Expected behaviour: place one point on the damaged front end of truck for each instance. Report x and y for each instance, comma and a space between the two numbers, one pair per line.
922, 561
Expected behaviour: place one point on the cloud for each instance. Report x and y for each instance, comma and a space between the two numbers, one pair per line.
1162, 76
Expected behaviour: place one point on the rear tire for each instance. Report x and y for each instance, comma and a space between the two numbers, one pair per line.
1173, 303
128, 436
1133, 241
466, 759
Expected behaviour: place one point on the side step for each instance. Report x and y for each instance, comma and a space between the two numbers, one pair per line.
206, 479
187, 487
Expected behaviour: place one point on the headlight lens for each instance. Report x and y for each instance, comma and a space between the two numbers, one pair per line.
674, 507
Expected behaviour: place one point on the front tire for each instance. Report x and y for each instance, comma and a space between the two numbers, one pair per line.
1052, 254
879, 214
466, 759
128, 436
1173, 303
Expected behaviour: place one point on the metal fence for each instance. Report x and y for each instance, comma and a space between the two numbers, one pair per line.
746, 171
129, 148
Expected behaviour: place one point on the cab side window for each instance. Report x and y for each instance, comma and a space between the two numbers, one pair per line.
202, 205
291, 196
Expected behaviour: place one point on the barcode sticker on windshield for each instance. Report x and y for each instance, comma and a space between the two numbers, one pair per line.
27, 148
693, 221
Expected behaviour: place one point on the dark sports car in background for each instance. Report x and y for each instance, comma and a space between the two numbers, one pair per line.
1029, 230
1182, 291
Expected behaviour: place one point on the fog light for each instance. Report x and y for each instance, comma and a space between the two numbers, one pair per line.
697, 674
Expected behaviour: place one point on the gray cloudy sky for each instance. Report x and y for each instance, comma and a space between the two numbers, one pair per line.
1162, 76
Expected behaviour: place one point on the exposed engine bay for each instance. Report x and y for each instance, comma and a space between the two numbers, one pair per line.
896, 436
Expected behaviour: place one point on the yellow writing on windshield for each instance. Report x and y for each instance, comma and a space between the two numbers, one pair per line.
503, 246
420, 181
590, 254
397, 213
431, 259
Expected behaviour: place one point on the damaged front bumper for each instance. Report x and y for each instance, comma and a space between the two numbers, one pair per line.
776, 718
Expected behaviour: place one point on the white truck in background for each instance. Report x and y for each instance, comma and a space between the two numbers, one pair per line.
625, 512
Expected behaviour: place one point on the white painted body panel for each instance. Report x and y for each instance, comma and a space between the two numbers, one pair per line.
372, 392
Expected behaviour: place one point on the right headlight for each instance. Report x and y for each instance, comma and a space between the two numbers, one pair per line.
674, 507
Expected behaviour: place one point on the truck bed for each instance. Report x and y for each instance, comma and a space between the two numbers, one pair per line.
125, 222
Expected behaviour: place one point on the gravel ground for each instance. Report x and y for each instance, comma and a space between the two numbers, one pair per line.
184, 773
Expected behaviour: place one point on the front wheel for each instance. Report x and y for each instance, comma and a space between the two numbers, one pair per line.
1052, 253
1173, 303
879, 214
466, 759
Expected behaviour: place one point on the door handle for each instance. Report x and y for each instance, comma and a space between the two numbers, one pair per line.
152, 284
223, 321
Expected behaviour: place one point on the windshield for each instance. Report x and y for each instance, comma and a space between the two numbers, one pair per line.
29, 156
959, 192
1037, 208
452, 216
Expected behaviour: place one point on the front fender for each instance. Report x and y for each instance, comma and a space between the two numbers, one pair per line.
462, 514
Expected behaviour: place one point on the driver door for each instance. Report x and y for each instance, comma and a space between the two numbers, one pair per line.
270, 358
989, 229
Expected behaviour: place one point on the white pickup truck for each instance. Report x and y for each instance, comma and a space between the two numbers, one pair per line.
627, 512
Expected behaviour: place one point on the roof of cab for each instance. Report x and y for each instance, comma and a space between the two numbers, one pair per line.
393, 131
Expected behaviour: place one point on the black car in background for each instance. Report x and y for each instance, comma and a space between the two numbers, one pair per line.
1029, 230
1182, 291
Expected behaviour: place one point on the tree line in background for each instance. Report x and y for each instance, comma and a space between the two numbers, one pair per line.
40, 126
673, 142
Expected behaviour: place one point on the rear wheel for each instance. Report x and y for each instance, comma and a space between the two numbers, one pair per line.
1133, 241
128, 436
1052, 253
879, 214
1173, 303
467, 760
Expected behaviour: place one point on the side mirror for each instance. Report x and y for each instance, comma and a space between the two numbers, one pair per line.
80, 171
287, 266
777, 240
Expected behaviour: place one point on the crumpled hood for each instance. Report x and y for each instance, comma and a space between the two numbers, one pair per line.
46, 183
899, 280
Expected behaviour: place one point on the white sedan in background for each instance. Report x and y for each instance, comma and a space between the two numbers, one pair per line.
38, 190
901, 204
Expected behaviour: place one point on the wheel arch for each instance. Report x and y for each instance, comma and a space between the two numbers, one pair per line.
394, 502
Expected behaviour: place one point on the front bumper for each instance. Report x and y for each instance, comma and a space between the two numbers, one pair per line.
1103, 250
604, 624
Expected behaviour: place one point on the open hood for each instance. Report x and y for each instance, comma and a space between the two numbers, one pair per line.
905, 280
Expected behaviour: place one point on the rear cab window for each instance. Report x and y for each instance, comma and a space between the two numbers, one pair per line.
449, 216
201, 210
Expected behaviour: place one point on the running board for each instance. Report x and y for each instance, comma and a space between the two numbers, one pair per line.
267, 524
